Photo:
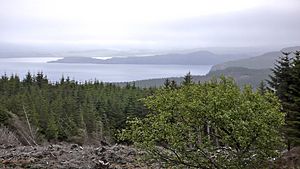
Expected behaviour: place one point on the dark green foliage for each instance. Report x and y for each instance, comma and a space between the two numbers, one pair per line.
187, 79
68, 110
173, 84
282, 79
167, 83
286, 84
295, 96
4, 116
170, 84
262, 87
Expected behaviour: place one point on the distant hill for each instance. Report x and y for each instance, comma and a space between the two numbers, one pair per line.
241, 75
11, 50
194, 58
245, 71
264, 61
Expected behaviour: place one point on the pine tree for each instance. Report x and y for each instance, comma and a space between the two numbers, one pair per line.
40, 79
262, 88
173, 84
187, 80
68, 110
52, 129
28, 79
294, 121
280, 83
281, 78
167, 83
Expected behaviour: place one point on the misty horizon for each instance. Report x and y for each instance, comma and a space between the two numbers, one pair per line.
150, 25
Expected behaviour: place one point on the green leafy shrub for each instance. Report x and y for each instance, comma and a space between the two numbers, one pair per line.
209, 125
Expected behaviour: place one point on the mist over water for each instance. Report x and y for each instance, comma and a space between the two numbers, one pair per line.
29, 60
101, 72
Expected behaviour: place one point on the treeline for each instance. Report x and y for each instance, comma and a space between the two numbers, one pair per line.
242, 76
69, 110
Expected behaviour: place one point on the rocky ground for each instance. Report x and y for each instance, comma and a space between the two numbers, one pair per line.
289, 159
73, 156
69, 156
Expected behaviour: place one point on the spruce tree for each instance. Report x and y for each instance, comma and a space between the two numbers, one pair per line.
28, 79
187, 79
280, 83
52, 129
68, 110
262, 88
167, 83
294, 121
173, 84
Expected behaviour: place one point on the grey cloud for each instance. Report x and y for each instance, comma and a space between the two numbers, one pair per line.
246, 27
262, 26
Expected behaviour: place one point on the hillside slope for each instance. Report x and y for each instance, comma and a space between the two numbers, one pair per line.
241, 75
263, 61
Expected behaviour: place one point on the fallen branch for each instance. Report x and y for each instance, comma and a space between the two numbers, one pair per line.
29, 126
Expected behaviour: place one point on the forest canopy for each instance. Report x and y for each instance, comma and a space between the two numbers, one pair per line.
68, 110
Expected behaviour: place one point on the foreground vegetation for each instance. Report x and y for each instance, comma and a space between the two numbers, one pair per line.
209, 125
217, 125
214, 124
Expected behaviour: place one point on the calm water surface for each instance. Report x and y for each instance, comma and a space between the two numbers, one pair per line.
102, 72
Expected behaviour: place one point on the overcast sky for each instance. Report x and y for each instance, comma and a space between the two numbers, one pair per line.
155, 23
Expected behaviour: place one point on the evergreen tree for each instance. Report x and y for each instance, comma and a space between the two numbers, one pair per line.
262, 88
294, 121
40, 79
52, 129
187, 80
28, 79
283, 82
167, 83
68, 110
281, 78
173, 84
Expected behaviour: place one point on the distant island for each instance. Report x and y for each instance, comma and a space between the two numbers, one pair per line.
194, 58
220, 61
